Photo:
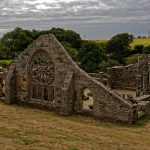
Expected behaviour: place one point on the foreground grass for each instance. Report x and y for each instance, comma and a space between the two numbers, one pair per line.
31, 129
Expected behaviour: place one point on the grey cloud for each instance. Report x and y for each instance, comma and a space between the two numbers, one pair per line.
72, 13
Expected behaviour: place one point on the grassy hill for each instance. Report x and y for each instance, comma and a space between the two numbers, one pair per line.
23, 128
133, 58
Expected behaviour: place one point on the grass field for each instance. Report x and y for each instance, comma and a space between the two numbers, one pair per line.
144, 42
23, 128
132, 59
101, 41
5, 63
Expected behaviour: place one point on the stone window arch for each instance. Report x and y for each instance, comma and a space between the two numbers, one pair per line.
41, 77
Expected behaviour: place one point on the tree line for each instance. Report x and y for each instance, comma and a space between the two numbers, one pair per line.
91, 56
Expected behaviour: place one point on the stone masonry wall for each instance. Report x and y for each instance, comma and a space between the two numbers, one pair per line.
143, 75
98, 76
2, 83
123, 77
69, 81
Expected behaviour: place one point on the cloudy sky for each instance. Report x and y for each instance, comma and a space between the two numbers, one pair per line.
96, 19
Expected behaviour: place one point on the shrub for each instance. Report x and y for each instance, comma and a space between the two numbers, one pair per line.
90, 56
71, 51
146, 50
109, 63
138, 48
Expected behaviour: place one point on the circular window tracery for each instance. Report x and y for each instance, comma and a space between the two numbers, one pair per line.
42, 69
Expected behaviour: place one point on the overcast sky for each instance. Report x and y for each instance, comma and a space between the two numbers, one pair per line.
96, 19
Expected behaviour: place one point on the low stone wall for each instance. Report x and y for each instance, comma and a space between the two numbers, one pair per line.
101, 77
2, 83
97, 76
122, 77
143, 107
143, 75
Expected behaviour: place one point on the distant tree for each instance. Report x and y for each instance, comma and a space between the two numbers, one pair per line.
68, 36
146, 50
90, 56
119, 46
139, 37
71, 51
17, 40
108, 63
4, 51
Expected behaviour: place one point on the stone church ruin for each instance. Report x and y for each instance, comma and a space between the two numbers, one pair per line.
44, 75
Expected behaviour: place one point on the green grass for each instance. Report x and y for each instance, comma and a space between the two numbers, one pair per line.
5, 62
132, 59
141, 123
101, 41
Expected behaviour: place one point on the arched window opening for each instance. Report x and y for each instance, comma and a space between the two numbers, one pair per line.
87, 99
42, 77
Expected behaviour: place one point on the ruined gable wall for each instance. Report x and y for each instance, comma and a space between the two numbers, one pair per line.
2, 82
107, 104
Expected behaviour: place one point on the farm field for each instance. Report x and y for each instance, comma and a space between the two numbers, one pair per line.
144, 42
101, 41
23, 128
